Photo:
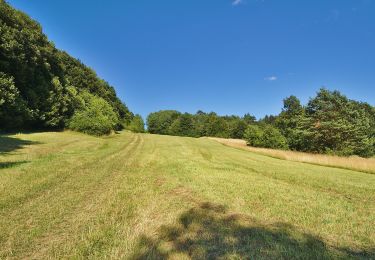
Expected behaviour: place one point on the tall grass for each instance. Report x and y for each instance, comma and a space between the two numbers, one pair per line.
352, 163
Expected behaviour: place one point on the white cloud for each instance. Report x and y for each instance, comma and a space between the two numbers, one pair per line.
271, 78
237, 2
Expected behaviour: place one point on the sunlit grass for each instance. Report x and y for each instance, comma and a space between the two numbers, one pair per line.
352, 162
136, 196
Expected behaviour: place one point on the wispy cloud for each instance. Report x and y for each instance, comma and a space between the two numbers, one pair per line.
237, 2
271, 78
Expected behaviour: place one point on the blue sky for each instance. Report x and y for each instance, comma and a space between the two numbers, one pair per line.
227, 56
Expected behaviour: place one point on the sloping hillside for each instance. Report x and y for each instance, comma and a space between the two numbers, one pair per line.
68, 195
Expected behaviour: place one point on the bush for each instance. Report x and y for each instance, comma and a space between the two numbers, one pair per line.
96, 117
272, 138
268, 137
253, 136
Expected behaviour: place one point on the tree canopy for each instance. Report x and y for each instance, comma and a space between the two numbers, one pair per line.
136, 125
37, 80
329, 123
171, 122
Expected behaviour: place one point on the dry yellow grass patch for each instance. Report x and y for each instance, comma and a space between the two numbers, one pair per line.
352, 163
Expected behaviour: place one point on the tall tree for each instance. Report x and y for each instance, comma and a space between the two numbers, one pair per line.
160, 122
288, 121
43, 77
336, 124
183, 126
249, 119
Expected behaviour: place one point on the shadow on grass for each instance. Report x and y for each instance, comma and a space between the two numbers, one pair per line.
10, 144
6, 165
209, 232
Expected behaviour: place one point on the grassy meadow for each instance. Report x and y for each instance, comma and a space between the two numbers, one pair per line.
140, 196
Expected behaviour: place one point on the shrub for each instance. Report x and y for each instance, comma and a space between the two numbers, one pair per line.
267, 137
272, 138
253, 136
96, 117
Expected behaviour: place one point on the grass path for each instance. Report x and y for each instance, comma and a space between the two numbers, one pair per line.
138, 196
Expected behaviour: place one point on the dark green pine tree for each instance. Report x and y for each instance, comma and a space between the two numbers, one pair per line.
336, 124
288, 121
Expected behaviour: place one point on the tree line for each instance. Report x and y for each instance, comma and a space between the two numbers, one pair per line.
171, 122
329, 123
42, 87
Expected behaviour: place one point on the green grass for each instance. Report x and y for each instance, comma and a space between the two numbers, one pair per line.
139, 196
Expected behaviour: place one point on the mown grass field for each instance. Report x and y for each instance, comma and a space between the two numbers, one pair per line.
139, 196
355, 163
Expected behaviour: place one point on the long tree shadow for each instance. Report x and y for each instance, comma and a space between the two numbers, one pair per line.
209, 232
10, 144
6, 165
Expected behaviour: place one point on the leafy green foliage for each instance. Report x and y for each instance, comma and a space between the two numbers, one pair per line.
171, 122
253, 136
183, 126
237, 128
336, 124
267, 137
160, 122
136, 125
272, 138
95, 117
40, 78
330, 123
13, 110
288, 120
216, 126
